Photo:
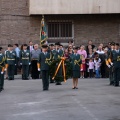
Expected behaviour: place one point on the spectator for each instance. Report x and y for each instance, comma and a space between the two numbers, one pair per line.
83, 67
91, 67
17, 50
30, 47
97, 67
89, 46
82, 51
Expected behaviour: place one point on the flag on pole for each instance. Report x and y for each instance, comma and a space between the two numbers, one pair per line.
43, 32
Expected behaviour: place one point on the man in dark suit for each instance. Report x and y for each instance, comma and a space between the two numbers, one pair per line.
30, 47
43, 65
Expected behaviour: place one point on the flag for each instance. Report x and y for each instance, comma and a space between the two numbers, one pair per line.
43, 32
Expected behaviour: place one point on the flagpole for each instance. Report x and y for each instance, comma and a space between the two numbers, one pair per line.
41, 30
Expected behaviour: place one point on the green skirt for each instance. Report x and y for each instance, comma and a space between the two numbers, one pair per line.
76, 73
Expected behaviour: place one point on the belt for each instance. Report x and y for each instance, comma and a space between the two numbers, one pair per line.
10, 59
25, 58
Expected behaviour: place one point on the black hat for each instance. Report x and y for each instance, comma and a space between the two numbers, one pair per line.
112, 43
44, 46
51, 45
24, 44
117, 44
1, 48
57, 43
9, 45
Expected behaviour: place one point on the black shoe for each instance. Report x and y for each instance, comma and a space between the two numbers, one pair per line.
51, 81
116, 85
45, 89
58, 84
27, 79
76, 87
73, 88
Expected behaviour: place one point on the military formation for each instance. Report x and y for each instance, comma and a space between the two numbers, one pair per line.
31, 59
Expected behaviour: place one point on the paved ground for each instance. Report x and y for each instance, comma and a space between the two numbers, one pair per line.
94, 100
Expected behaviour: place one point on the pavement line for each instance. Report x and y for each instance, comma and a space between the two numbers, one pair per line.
85, 109
32, 103
35, 113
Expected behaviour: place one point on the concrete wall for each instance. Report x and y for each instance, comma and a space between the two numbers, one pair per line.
16, 26
74, 6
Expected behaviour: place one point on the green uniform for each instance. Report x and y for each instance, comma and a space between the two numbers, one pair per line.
111, 73
25, 59
116, 63
57, 55
52, 52
44, 66
75, 62
2, 64
11, 61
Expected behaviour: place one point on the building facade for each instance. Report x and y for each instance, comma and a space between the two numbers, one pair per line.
80, 21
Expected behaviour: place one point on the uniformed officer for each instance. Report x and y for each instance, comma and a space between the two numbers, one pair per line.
52, 53
58, 54
11, 62
116, 63
2, 67
43, 65
34, 59
25, 61
75, 61
109, 63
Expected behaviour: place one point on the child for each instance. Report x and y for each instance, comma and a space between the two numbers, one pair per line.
83, 67
97, 67
75, 61
91, 67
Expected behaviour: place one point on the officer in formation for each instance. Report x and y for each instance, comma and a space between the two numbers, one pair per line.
113, 63
43, 65
25, 61
10, 57
58, 53
2, 67
116, 63
109, 63
75, 61
52, 52
34, 59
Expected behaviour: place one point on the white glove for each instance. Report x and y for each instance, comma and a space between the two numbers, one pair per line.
5, 69
15, 64
20, 63
109, 66
29, 63
38, 69
111, 63
1, 72
81, 69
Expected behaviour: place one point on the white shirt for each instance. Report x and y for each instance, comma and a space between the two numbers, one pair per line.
100, 52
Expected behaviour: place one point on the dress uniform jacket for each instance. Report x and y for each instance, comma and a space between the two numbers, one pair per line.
44, 66
75, 62
11, 61
25, 59
116, 63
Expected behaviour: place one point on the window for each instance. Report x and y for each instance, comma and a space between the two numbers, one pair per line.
60, 29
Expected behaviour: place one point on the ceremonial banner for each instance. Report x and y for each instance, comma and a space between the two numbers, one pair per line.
43, 32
